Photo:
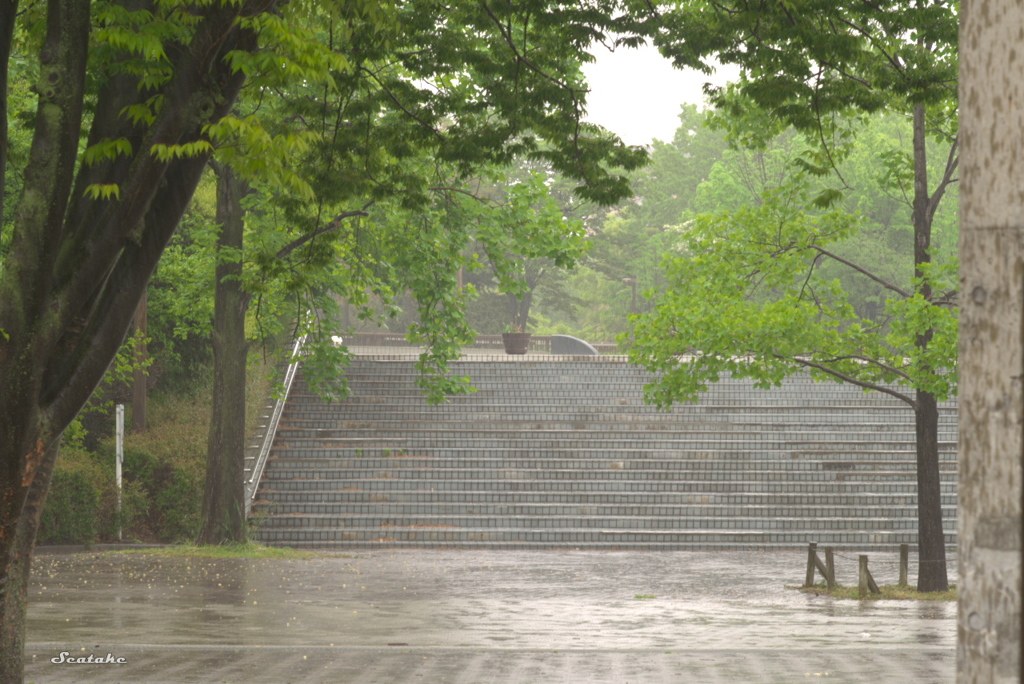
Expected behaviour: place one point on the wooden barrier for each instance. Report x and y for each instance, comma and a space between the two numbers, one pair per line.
866, 583
827, 569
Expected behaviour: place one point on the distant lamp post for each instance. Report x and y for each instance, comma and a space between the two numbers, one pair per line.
632, 304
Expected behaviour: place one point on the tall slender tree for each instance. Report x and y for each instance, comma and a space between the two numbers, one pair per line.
810, 64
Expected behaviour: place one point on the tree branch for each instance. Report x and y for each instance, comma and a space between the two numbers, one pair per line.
881, 281
952, 160
287, 250
853, 381
868, 359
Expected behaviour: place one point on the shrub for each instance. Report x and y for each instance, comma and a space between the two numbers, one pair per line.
72, 510
177, 504
164, 472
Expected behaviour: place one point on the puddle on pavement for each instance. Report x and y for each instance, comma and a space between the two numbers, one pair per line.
512, 599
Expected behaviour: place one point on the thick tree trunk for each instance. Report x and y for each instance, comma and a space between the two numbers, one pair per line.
991, 353
14, 597
28, 432
932, 575
931, 541
224, 496
77, 265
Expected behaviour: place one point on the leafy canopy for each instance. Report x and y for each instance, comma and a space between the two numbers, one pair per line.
746, 296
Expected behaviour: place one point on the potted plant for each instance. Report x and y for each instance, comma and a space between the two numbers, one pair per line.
515, 340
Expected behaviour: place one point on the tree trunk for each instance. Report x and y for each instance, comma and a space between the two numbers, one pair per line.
520, 305
931, 540
224, 496
932, 575
77, 265
14, 597
8, 11
991, 352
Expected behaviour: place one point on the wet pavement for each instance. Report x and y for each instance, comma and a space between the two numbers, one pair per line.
475, 616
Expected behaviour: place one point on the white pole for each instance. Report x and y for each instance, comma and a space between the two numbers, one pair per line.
120, 460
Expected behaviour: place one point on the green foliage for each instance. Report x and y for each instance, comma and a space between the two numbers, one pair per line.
177, 499
629, 242
808, 60
72, 511
746, 297
81, 507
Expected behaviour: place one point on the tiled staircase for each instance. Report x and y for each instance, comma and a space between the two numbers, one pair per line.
561, 452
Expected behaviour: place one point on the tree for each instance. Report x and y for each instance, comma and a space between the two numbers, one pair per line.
991, 239
629, 241
509, 269
160, 80
223, 514
811, 65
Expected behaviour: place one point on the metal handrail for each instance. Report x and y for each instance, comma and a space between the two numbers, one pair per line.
268, 437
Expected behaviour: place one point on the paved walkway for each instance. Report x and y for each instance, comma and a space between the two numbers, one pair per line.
468, 616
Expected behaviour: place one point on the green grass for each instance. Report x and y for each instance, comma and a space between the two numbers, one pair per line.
890, 592
247, 550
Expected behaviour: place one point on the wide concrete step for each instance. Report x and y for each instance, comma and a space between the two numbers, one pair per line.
585, 497
694, 462
523, 480
556, 469
368, 450
629, 387
415, 398
389, 510
638, 522
619, 546
313, 537
553, 369
766, 438
609, 422
641, 441
760, 482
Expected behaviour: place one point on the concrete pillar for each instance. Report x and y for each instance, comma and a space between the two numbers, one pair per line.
991, 339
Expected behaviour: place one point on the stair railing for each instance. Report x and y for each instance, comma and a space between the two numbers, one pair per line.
268, 436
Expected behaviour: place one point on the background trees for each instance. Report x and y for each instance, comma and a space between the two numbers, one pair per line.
154, 84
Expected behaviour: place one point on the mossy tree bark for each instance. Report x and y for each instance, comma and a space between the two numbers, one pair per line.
224, 495
8, 12
78, 263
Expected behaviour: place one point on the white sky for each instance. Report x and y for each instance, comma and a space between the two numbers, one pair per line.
637, 93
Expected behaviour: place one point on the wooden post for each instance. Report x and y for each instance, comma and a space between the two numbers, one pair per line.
866, 583
812, 556
904, 562
830, 568
872, 585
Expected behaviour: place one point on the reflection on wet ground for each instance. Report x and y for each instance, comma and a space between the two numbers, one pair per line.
689, 609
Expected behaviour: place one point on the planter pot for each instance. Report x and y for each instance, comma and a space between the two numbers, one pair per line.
516, 343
